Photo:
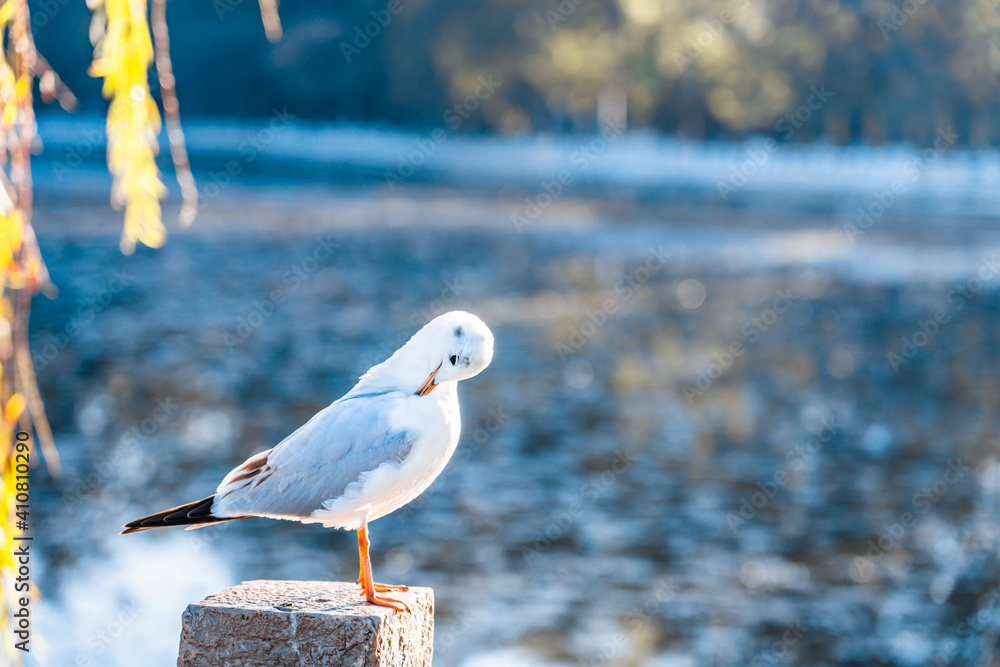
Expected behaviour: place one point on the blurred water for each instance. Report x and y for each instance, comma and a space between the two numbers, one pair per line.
692, 448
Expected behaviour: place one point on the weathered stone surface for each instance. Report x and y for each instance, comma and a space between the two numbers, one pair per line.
306, 623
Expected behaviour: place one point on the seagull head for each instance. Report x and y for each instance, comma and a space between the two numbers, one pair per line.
454, 346
451, 347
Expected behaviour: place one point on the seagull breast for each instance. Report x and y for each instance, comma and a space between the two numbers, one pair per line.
435, 428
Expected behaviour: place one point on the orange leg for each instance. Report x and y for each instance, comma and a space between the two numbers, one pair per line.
368, 587
379, 588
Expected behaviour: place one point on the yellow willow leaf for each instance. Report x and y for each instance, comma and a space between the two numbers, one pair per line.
6, 238
9, 116
153, 237
14, 229
5, 12
98, 68
15, 406
143, 227
153, 113
22, 89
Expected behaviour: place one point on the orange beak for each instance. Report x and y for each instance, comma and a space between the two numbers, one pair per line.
429, 384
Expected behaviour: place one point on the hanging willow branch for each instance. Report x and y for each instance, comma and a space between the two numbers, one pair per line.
122, 56
269, 15
22, 274
171, 110
123, 52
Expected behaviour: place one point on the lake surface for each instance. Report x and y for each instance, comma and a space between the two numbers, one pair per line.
710, 435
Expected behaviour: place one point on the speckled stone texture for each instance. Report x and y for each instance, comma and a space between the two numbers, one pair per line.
285, 623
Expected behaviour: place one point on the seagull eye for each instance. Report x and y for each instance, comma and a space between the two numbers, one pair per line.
453, 359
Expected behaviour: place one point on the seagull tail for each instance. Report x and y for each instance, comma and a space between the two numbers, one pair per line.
193, 514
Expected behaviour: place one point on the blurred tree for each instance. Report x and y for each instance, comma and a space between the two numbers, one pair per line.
703, 68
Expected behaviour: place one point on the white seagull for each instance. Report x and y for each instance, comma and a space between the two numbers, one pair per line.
364, 456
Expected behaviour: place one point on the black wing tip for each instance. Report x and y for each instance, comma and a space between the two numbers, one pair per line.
197, 512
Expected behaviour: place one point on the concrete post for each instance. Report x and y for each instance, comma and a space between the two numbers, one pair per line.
292, 623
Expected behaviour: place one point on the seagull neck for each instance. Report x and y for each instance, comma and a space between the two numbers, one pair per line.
387, 377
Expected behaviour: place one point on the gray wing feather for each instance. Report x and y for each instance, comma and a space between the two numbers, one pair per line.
317, 462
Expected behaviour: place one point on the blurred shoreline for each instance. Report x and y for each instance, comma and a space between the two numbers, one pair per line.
880, 182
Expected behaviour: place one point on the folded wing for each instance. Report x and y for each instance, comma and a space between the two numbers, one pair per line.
317, 462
